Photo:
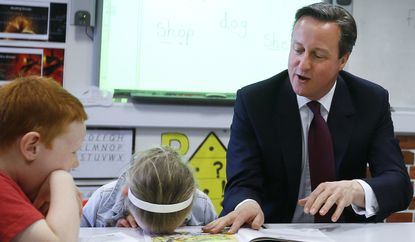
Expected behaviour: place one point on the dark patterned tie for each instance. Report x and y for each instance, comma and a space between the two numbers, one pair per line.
320, 155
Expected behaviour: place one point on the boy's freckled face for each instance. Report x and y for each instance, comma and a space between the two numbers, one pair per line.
60, 156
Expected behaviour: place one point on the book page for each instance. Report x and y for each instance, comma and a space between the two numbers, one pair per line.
194, 237
109, 237
193, 234
309, 235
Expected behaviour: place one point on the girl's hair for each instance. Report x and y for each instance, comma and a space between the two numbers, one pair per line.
159, 176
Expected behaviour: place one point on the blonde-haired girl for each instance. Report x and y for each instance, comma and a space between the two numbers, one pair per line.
157, 193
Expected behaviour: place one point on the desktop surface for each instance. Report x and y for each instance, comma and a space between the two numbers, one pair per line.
379, 232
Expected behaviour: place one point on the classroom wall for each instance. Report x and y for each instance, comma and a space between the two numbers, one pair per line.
81, 72
80, 64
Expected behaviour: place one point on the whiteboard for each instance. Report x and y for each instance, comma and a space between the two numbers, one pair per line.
385, 47
215, 46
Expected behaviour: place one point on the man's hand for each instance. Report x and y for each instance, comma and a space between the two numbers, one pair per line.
247, 213
128, 222
341, 193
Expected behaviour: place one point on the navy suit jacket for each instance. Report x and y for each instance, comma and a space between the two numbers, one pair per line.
264, 155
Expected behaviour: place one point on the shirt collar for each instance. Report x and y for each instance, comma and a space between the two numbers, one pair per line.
325, 101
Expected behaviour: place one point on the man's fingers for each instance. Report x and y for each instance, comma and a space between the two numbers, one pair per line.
328, 203
247, 212
254, 219
219, 224
339, 210
258, 222
209, 226
320, 197
237, 223
302, 202
310, 199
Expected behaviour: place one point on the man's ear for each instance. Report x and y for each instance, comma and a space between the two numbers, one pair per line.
29, 145
343, 60
124, 191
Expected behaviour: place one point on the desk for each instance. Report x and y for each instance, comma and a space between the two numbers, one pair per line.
381, 232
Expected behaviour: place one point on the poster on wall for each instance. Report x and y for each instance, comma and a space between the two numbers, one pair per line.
24, 20
105, 153
27, 30
20, 62
57, 24
52, 64
27, 20
16, 62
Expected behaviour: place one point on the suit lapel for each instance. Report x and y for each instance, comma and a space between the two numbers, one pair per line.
341, 120
287, 121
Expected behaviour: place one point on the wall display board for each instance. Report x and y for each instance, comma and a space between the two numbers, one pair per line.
105, 153
32, 38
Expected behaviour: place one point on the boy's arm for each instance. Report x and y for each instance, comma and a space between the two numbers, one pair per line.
63, 218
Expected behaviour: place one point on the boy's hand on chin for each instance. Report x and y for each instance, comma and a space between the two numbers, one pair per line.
42, 199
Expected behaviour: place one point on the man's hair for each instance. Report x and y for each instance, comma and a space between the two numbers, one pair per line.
329, 13
38, 104
159, 176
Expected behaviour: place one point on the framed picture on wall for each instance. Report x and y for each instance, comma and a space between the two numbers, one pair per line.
24, 20
33, 20
17, 62
105, 153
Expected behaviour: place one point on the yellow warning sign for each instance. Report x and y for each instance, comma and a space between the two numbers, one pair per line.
209, 163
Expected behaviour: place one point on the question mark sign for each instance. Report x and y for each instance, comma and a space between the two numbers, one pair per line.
220, 166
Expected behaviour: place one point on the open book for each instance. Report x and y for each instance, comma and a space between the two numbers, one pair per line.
243, 235
109, 237
309, 235
195, 234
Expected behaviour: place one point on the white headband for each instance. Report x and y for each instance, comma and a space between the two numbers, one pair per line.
158, 208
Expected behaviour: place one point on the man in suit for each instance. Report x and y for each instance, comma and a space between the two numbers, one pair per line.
268, 164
